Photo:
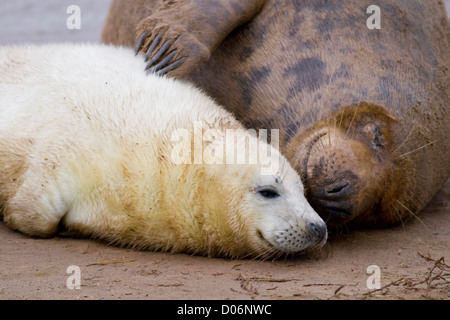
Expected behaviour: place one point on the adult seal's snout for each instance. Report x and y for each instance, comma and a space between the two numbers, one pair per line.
333, 201
343, 176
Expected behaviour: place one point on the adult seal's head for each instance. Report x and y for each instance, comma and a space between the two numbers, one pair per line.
349, 165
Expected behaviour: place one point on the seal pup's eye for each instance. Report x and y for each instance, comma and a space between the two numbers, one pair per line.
268, 192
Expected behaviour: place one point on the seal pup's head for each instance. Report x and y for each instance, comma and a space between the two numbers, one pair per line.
266, 214
348, 166
283, 218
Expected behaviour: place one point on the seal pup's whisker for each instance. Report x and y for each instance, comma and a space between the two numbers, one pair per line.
290, 225
282, 169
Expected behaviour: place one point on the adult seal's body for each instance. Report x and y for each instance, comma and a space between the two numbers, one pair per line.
364, 112
91, 145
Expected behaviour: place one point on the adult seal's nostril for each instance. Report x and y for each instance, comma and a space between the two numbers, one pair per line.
341, 188
318, 230
333, 202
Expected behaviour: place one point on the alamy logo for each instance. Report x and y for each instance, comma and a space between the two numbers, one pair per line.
230, 146
73, 22
74, 280
374, 21
374, 281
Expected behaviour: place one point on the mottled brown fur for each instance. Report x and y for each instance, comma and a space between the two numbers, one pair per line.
300, 66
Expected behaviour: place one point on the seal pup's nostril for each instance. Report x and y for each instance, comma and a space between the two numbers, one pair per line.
318, 230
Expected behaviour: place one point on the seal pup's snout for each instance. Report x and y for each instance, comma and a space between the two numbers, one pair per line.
300, 235
318, 231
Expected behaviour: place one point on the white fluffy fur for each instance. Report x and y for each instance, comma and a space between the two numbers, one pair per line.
85, 143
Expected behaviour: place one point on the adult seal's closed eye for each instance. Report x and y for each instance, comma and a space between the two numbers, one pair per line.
91, 145
364, 113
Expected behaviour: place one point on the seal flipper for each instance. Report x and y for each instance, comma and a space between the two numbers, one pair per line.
163, 66
178, 46
168, 47
36, 211
166, 64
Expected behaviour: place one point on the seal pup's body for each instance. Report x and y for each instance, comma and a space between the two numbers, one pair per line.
364, 112
86, 144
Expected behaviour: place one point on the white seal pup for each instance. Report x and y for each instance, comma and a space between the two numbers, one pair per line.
91, 144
